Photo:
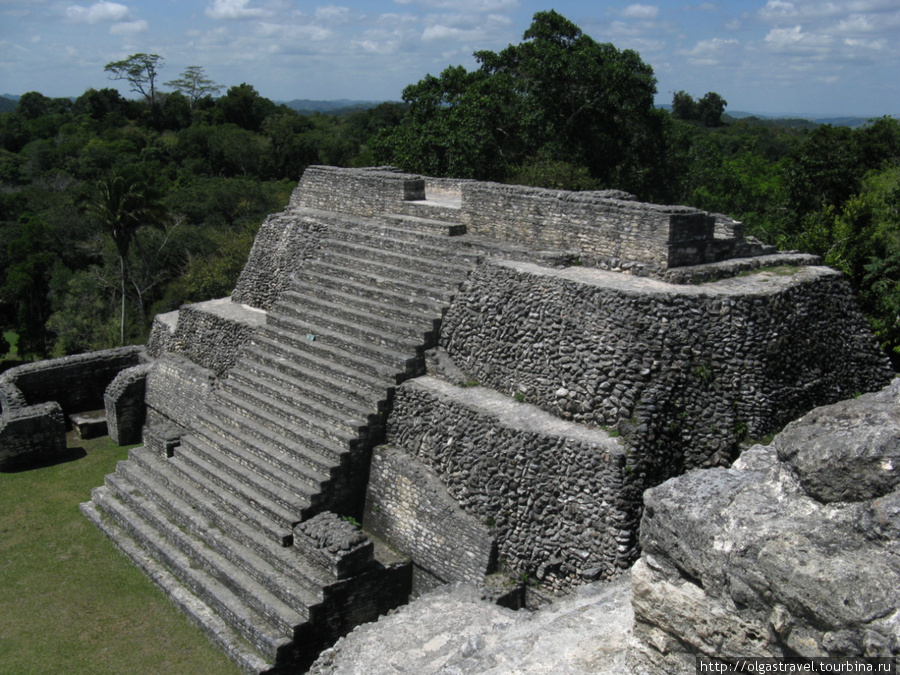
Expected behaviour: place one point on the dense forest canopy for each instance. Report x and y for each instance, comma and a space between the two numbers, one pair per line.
112, 210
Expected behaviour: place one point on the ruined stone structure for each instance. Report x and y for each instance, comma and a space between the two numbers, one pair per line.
487, 376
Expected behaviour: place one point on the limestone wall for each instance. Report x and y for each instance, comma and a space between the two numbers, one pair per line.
554, 496
125, 407
177, 390
212, 333
620, 234
283, 242
32, 434
361, 192
77, 382
684, 372
409, 506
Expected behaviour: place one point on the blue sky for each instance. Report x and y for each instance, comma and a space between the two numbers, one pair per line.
825, 57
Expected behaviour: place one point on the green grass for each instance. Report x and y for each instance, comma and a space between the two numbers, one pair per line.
69, 600
13, 339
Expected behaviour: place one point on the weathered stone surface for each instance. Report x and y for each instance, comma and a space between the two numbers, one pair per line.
90, 424
31, 434
849, 451
683, 372
471, 470
126, 409
336, 544
753, 561
76, 382
453, 631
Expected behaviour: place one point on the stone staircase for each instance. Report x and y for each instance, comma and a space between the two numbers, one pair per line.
287, 435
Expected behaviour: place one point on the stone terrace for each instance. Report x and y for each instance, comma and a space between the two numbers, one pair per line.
264, 414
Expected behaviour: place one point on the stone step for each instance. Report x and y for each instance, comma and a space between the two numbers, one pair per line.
433, 261
190, 483
219, 598
411, 232
419, 223
282, 571
324, 356
216, 629
294, 498
455, 251
376, 283
392, 320
197, 453
360, 296
245, 412
271, 462
302, 408
309, 459
294, 362
429, 272
284, 608
324, 386
287, 392
372, 345
352, 307
431, 211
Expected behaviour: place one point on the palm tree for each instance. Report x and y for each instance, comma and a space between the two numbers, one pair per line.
125, 205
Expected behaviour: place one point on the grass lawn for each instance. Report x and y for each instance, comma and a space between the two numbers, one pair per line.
13, 339
70, 602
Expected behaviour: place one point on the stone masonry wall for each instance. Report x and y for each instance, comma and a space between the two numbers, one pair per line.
32, 434
77, 382
283, 242
212, 333
684, 372
612, 233
554, 495
361, 192
125, 406
177, 391
408, 505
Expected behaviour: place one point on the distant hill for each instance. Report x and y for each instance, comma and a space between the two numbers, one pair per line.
8, 103
305, 105
795, 120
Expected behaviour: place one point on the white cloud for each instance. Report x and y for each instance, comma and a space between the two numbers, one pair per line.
466, 5
709, 52
643, 12
128, 27
97, 13
441, 32
234, 9
794, 40
335, 14
290, 32
778, 9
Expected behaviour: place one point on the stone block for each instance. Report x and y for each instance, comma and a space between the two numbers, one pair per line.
32, 434
90, 424
337, 545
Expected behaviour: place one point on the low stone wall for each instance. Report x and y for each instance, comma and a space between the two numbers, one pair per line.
11, 397
361, 192
32, 434
77, 382
554, 495
125, 407
684, 372
791, 552
613, 233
